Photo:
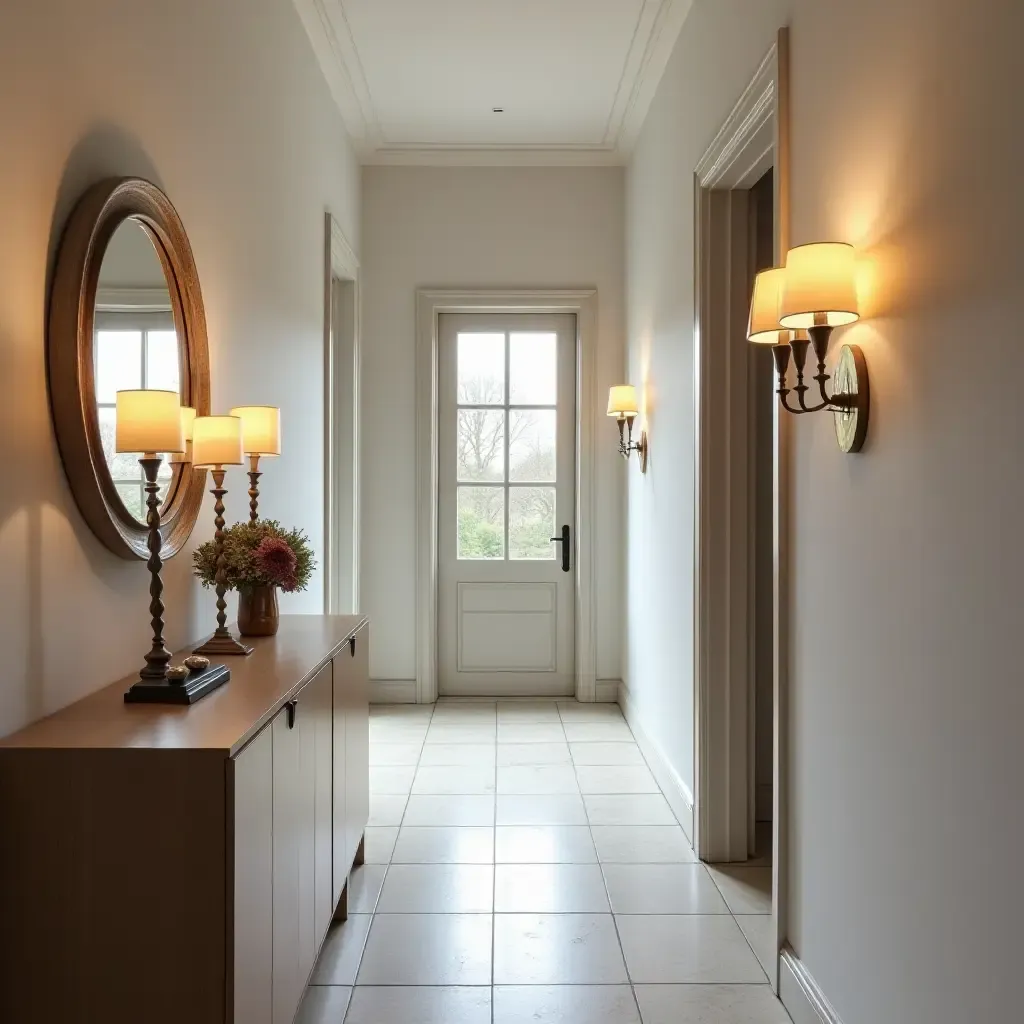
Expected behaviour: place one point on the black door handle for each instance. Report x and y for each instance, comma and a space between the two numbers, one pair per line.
566, 541
291, 707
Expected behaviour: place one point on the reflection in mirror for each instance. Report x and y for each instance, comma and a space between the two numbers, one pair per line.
135, 346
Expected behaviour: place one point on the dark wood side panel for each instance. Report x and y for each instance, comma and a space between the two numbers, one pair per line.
112, 886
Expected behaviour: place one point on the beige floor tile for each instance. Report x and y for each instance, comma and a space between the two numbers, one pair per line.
662, 889
549, 889
533, 753
642, 844
474, 755
530, 732
392, 779
342, 950
428, 949
380, 843
386, 810
759, 932
547, 779
441, 844
556, 949
622, 752
601, 731
635, 809
437, 889
364, 885
420, 1005
630, 779
747, 890
557, 809
710, 1004
449, 810
323, 1004
687, 948
388, 754
565, 1004
543, 844
454, 780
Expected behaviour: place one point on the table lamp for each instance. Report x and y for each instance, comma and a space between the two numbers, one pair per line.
261, 435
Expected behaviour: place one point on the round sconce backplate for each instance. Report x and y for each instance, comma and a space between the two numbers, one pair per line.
851, 379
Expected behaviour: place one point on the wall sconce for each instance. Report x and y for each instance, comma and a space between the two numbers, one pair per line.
622, 405
815, 292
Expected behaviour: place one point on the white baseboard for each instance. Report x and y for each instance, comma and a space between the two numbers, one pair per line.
392, 691
608, 690
803, 999
676, 791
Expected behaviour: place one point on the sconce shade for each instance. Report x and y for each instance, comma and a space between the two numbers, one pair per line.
149, 422
216, 441
763, 327
819, 287
622, 400
188, 419
261, 429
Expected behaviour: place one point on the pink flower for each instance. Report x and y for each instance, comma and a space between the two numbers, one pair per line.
276, 560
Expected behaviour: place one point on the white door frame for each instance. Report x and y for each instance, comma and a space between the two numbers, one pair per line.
754, 139
341, 422
430, 304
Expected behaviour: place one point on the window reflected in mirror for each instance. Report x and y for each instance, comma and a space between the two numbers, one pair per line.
135, 346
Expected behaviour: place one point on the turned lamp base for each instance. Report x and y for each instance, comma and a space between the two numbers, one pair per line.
178, 691
225, 644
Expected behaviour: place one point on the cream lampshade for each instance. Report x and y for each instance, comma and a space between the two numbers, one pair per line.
819, 287
216, 441
763, 326
622, 401
261, 429
188, 418
149, 422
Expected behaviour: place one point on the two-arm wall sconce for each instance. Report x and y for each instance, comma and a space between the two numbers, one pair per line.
622, 405
815, 292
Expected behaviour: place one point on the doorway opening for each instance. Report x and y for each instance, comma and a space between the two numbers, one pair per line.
501, 609
742, 484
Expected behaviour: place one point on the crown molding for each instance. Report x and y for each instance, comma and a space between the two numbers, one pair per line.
655, 35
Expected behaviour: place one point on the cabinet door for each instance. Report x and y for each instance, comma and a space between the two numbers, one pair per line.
357, 740
341, 857
319, 713
252, 780
287, 841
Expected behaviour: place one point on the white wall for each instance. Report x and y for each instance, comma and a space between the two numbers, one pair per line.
907, 703
475, 228
221, 102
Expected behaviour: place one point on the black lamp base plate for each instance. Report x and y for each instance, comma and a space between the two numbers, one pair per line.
186, 691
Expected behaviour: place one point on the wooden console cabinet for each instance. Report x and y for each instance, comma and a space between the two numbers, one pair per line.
183, 864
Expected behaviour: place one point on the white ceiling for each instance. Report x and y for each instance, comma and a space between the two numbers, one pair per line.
416, 80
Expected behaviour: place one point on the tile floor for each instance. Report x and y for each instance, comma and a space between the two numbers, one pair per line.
523, 866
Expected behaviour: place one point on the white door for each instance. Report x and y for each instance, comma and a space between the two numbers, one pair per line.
507, 400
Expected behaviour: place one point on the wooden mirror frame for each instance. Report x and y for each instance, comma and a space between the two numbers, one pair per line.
98, 214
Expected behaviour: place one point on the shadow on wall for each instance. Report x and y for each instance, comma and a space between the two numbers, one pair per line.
59, 578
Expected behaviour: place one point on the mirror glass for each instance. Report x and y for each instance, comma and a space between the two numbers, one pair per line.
135, 345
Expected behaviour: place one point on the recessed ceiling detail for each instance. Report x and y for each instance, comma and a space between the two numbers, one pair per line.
412, 78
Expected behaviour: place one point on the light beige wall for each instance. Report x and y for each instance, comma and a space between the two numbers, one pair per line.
222, 103
906, 824
475, 228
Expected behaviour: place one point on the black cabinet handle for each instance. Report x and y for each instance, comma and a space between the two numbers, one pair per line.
352, 646
566, 541
291, 707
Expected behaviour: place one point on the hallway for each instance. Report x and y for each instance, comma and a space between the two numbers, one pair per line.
522, 865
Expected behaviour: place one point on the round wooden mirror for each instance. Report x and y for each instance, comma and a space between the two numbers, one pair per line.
125, 312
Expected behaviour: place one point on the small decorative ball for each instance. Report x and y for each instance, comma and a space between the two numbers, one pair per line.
197, 662
177, 673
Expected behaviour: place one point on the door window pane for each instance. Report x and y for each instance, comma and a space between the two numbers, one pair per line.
481, 445
533, 369
481, 512
531, 522
162, 368
531, 446
118, 363
481, 373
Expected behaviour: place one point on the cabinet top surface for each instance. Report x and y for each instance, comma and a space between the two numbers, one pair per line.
224, 720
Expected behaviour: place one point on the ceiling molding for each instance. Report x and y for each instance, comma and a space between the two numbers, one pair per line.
658, 27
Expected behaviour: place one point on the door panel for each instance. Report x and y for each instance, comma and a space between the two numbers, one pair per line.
357, 740
287, 828
507, 432
252, 772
